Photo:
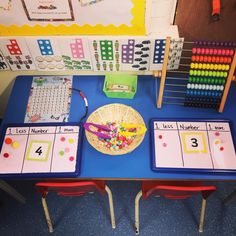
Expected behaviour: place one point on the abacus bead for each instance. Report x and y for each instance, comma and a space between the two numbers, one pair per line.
221, 87
220, 67
207, 51
222, 44
221, 60
227, 67
198, 50
209, 59
192, 65
194, 50
205, 80
231, 52
223, 67
211, 66
203, 86
193, 58
197, 58
200, 65
202, 50
204, 43
207, 86
229, 60
215, 51
199, 86
215, 66
205, 59
213, 43
223, 52
227, 52
216, 81
210, 87
219, 52
210, 73
225, 60
206, 66
217, 44
225, 74
197, 80
214, 87
201, 58
218, 74
191, 72
206, 73
214, 74
201, 73
211, 51
218, 87
196, 86
208, 80
195, 72
188, 86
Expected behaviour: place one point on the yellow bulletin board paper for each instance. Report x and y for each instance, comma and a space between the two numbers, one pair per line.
23, 26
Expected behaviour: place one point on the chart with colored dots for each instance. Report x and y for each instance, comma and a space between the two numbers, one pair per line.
17, 53
46, 53
38, 150
192, 145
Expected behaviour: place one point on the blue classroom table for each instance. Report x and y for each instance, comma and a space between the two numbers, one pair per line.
136, 165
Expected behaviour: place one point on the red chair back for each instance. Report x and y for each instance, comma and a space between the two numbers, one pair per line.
71, 188
175, 189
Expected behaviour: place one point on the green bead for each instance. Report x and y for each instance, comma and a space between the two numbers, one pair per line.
191, 72
210, 73
214, 74
195, 72
206, 73
225, 74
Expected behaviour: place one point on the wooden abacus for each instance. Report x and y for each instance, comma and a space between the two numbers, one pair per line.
210, 71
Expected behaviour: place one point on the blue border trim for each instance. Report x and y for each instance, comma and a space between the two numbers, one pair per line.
187, 170
47, 175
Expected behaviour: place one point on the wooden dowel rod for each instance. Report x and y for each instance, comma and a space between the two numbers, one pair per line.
163, 73
227, 84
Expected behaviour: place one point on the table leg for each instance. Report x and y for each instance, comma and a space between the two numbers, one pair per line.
230, 197
11, 191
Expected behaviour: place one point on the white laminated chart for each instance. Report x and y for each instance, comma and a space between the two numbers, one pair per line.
192, 145
49, 100
40, 149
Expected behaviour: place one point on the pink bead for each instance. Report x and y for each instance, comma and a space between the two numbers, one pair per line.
210, 51
227, 52
219, 52
194, 50
231, 52
215, 51
198, 50
202, 50
223, 51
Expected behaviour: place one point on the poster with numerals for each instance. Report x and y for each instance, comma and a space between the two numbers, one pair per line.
135, 54
17, 53
3, 63
105, 54
46, 53
75, 53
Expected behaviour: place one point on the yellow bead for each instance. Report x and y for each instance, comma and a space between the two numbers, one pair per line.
217, 141
71, 140
15, 144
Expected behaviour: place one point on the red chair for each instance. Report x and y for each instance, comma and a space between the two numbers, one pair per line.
77, 188
173, 190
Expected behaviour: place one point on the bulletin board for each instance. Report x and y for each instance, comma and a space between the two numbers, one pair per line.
72, 17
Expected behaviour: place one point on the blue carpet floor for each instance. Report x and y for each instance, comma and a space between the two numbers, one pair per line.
89, 215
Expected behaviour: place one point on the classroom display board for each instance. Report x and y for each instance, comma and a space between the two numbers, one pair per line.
72, 17
192, 145
49, 99
41, 150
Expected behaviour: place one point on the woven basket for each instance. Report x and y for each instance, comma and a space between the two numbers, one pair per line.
117, 113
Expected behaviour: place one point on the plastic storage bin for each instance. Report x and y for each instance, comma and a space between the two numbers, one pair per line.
120, 86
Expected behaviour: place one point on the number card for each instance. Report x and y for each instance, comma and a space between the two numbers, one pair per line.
41, 150
192, 145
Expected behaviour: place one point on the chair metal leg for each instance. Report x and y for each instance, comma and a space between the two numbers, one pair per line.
47, 216
203, 208
11, 191
113, 223
137, 198
230, 197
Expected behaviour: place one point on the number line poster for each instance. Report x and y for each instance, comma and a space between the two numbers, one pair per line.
193, 144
